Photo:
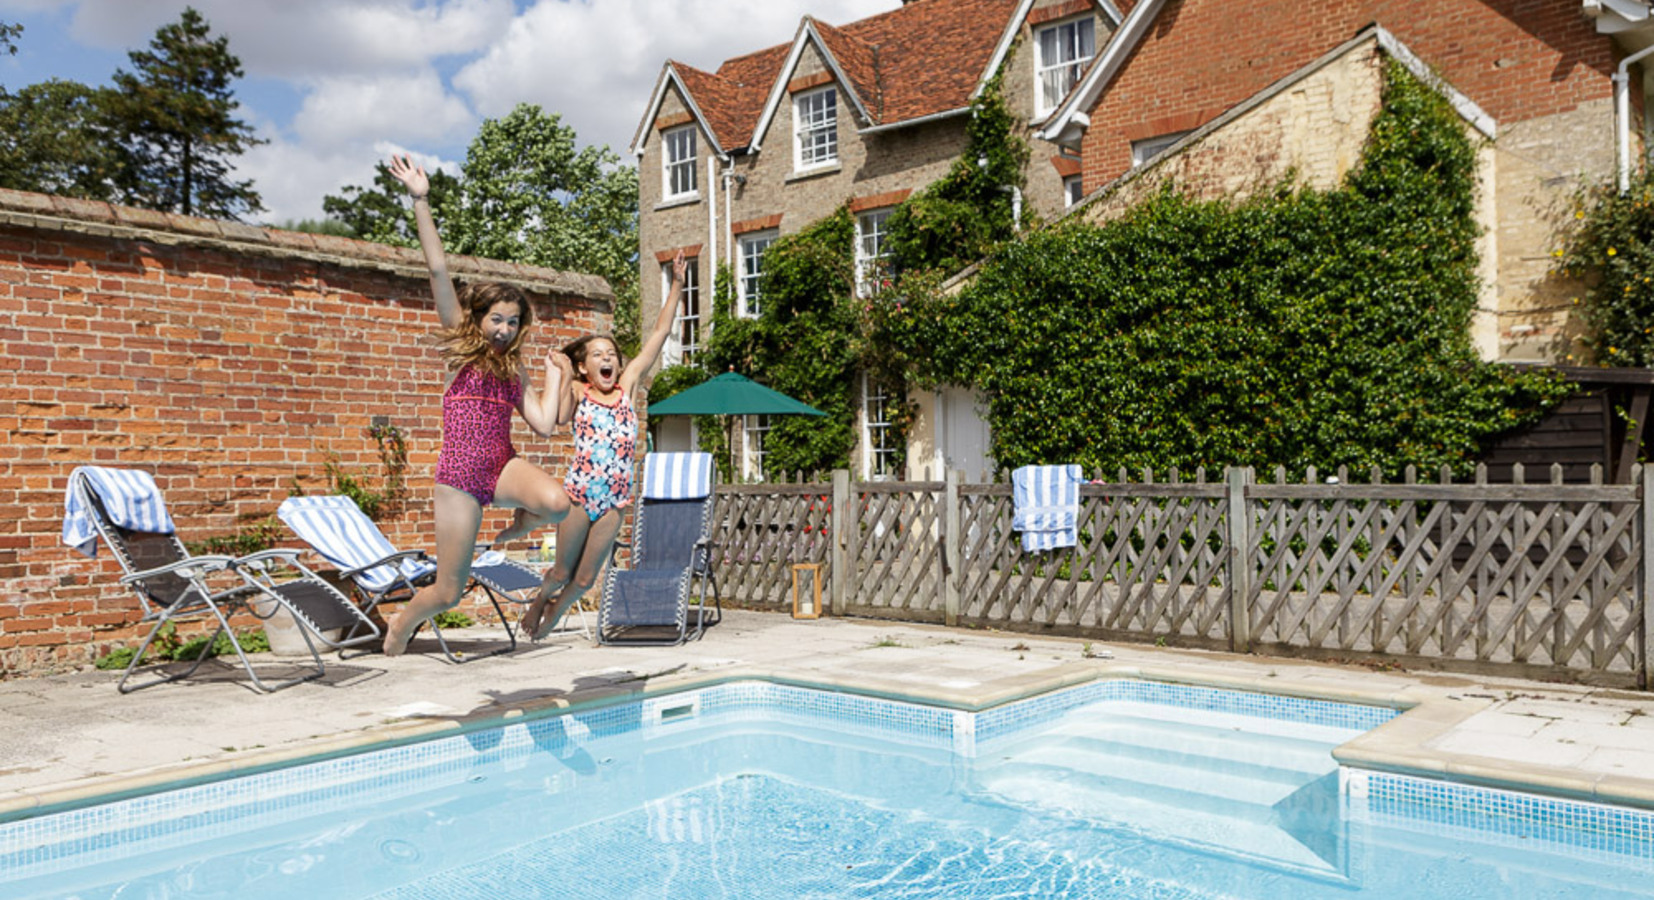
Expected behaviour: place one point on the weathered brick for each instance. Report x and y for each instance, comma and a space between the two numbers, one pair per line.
228, 377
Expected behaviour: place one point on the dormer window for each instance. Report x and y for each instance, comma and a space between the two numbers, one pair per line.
815, 128
678, 167
1062, 51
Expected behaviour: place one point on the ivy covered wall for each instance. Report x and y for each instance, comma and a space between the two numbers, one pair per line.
1300, 328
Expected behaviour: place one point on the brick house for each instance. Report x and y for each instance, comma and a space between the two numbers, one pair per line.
861, 114
1218, 96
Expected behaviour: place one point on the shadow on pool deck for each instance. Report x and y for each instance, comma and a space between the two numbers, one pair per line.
67, 738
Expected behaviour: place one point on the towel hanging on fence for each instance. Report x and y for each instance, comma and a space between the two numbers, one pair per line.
129, 495
1047, 500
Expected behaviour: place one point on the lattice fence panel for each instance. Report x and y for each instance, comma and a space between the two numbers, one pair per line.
1535, 574
895, 547
761, 531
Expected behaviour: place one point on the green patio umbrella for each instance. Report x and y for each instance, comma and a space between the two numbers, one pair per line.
729, 395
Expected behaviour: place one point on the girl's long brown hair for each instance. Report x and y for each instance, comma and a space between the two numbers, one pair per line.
465, 345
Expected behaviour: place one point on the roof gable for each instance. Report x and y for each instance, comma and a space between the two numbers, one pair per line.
926, 58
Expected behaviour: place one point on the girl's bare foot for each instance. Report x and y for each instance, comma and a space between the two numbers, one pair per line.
396, 638
521, 524
529, 624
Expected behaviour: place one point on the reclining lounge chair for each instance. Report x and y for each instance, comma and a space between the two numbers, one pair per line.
125, 509
336, 528
671, 557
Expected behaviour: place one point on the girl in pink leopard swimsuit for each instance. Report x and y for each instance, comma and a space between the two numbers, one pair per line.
482, 340
598, 403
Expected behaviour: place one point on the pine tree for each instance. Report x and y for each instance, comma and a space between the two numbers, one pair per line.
178, 112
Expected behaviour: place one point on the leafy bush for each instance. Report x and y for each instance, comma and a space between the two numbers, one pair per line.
1612, 249
167, 646
1300, 328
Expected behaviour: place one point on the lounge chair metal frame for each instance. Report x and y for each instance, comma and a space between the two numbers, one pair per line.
505, 579
173, 586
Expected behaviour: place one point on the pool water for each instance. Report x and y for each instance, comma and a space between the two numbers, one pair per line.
759, 791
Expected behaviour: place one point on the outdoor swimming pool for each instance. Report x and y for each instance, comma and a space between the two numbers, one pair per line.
1120, 789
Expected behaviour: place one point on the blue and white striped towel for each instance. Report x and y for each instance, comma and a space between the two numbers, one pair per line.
1047, 500
677, 476
338, 529
129, 496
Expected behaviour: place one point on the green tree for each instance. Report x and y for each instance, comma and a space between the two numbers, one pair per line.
380, 212
524, 194
176, 114
9, 33
527, 194
55, 139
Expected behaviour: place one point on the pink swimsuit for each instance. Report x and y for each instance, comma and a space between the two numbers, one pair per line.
476, 432
605, 437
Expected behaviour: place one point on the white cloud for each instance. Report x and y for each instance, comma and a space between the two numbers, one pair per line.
293, 178
596, 61
304, 39
358, 110
336, 85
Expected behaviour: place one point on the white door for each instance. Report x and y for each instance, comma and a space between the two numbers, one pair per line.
963, 443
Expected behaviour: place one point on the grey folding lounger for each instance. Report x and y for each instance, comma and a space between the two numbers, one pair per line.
648, 603
123, 507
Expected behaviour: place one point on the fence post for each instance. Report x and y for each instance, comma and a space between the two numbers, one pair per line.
1645, 584
1240, 562
843, 521
951, 541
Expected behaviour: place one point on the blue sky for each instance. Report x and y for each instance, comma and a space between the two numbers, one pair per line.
335, 85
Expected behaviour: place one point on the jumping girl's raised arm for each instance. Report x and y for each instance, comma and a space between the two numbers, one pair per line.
541, 409
442, 287
650, 350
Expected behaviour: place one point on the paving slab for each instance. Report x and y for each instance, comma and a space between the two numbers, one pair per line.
70, 739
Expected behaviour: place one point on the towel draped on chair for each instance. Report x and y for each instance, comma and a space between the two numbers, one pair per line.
677, 476
336, 527
129, 496
1047, 501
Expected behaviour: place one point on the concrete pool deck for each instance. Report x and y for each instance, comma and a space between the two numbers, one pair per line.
66, 740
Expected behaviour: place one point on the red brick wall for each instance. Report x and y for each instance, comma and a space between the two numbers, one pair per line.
1517, 59
230, 361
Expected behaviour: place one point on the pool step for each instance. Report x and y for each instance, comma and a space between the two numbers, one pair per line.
1270, 798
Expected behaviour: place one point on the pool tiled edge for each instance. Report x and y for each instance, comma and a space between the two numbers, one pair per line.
1400, 746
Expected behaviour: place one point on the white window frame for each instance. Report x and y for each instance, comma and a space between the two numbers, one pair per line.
815, 128
878, 432
679, 163
1144, 150
754, 430
1073, 44
1073, 190
685, 339
749, 276
872, 252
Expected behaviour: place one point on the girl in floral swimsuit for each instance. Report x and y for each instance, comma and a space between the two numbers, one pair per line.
598, 403
483, 327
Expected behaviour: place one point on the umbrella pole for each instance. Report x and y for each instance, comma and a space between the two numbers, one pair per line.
729, 447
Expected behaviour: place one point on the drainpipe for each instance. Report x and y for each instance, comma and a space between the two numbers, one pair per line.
729, 222
1622, 116
711, 223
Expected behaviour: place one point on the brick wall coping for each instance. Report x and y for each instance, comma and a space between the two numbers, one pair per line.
44, 212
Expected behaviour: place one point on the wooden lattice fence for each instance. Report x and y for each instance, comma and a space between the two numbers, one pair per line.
1463, 575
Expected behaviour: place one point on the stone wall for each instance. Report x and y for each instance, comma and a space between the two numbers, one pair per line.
233, 362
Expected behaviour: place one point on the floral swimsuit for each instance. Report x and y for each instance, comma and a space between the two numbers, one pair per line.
605, 437
476, 432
